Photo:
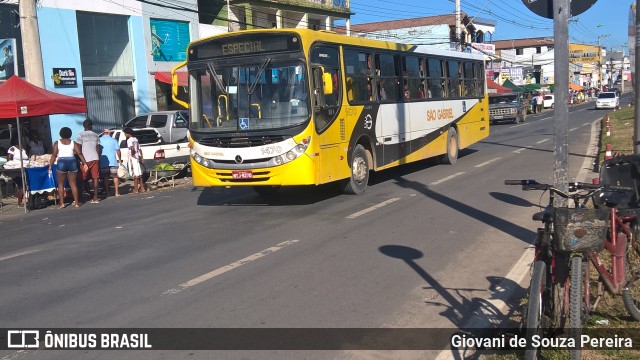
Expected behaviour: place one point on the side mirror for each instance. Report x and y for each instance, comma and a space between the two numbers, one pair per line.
327, 83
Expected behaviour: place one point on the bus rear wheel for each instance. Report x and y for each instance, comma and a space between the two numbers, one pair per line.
452, 147
357, 182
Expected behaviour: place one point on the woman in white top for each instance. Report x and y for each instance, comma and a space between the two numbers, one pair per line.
65, 150
16, 153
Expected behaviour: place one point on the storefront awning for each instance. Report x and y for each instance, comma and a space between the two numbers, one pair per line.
165, 77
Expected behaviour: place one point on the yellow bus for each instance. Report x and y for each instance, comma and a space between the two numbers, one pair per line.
282, 107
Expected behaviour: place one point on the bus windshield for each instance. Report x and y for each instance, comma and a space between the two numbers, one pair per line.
245, 98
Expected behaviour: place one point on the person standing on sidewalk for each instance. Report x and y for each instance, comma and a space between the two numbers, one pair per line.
110, 159
90, 144
135, 161
65, 151
539, 103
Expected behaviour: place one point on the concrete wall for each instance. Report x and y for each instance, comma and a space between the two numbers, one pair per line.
60, 49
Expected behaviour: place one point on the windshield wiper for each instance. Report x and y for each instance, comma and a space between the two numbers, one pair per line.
252, 88
216, 78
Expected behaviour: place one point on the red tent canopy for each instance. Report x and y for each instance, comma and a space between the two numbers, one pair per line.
499, 88
165, 77
19, 98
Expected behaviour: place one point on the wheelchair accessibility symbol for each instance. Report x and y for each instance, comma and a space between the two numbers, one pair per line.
244, 123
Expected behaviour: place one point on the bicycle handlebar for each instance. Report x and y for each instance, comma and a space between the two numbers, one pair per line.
530, 184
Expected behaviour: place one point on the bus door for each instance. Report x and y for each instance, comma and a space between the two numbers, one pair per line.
328, 121
393, 115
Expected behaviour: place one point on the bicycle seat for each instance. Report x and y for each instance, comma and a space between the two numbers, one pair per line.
613, 199
621, 171
545, 215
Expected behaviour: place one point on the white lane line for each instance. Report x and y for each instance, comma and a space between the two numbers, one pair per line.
575, 128
488, 162
446, 178
374, 207
541, 141
7, 257
522, 149
210, 275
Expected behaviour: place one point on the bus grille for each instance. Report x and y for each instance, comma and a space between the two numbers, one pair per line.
505, 111
239, 142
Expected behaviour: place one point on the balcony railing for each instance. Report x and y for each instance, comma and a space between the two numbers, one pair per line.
338, 3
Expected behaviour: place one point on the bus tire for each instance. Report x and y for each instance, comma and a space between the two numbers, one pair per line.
266, 190
452, 147
357, 182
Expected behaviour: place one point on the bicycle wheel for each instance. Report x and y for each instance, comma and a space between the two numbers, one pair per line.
576, 304
631, 295
535, 314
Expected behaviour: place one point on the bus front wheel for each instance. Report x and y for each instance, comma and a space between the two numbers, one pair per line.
357, 182
452, 147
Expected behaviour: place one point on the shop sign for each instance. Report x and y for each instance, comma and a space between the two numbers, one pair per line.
65, 77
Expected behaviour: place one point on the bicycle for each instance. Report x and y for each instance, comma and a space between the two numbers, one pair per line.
555, 289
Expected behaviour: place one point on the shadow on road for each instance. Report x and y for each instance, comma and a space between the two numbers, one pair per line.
499, 223
286, 196
512, 199
467, 312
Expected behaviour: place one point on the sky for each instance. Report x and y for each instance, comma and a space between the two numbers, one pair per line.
607, 19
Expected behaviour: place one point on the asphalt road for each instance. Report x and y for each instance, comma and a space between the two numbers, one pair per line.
426, 245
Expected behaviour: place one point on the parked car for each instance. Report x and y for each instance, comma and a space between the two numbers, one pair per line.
607, 100
549, 101
506, 107
153, 150
172, 125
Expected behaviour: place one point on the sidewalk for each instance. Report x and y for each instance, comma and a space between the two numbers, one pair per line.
11, 210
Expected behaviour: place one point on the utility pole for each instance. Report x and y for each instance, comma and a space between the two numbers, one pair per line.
561, 11
600, 79
636, 88
31, 52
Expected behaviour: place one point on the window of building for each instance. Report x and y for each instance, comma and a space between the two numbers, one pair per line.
105, 48
519, 52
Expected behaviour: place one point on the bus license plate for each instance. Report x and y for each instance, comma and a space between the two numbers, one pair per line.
242, 174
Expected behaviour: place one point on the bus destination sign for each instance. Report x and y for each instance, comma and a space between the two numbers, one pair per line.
245, 45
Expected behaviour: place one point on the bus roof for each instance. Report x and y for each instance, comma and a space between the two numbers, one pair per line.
310, 36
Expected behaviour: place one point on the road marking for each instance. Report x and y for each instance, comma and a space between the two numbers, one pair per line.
234, 265
488, 162
446, 178
522, 149
7, 257
576, 128
523, 124
541, 141
370, 209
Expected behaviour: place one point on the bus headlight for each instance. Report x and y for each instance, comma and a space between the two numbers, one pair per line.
197, 158
291, 155
278, 160
205, 162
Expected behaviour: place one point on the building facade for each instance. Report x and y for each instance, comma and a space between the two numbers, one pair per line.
437, 31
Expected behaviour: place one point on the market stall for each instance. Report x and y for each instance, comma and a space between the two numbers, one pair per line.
20, 99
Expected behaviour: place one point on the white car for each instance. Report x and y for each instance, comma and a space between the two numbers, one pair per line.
548, 101
607, 100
